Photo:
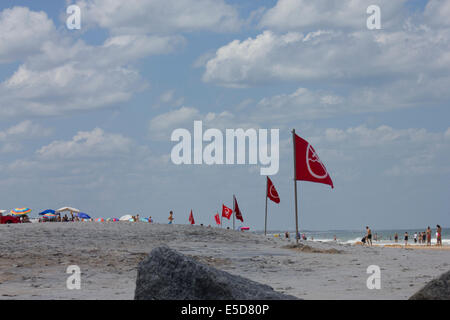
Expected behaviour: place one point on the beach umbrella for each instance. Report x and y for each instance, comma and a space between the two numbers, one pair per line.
50, 215
50, 211
126, 218
82, 215
100, 220
20, 211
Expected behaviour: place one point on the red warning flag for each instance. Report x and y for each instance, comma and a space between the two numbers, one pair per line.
226, 212
217, 217
308, 166
191, 218
272, 193
237, 210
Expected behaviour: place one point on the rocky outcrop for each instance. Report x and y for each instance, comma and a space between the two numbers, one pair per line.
169, 275
437, 289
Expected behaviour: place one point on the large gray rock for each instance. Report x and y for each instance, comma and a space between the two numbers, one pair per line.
168, 275
437, 289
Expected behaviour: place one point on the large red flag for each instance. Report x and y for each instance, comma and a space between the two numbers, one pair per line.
237, 210
226, 212
272, 193
191, 218
308, 164
217, 217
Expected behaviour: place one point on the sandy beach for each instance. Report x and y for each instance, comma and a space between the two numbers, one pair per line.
34, 259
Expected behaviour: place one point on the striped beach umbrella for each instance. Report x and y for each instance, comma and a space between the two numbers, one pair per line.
20, 211
50, 215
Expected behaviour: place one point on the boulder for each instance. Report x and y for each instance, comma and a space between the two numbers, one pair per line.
169, 275
437, 289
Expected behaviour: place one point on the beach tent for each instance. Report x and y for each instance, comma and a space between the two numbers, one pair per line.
50, 211
73, 210
82, 215
20, 211
126, 218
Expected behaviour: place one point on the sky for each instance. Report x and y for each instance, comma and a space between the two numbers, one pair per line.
86, 116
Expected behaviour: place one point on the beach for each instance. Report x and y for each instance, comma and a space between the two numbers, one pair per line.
34, 259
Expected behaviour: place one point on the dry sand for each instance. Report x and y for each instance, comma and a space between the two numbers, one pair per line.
34, 259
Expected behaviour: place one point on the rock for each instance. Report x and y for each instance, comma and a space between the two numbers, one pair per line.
169, 275
437, 289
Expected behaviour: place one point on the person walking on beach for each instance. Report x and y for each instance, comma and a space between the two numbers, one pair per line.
406, 238
438, 235
171, 218
369, 236
428, 236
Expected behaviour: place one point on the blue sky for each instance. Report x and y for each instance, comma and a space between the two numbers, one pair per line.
86, 115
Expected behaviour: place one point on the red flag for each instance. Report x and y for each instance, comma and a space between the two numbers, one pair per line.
191, 218
272, 193
226, 212
217, 217
237, 211
308, 164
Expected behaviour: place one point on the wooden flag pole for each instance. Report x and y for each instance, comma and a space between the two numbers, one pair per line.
297, 235
265, 223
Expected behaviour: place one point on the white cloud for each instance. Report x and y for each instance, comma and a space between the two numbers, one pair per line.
160, 16
61, 75
24, 130
88, 144
437, 12
310, 15
385, 150
22, 33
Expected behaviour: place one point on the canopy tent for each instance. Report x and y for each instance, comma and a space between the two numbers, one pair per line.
50, 211
126, 218
71, 210
20, 211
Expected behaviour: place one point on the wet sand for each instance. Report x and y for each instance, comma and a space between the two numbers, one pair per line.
34, 259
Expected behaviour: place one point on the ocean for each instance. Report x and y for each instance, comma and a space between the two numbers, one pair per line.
353, 236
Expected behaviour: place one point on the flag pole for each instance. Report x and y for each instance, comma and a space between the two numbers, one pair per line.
297, 236
265, 223
234, 209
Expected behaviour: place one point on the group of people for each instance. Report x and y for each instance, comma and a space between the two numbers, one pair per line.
421, 237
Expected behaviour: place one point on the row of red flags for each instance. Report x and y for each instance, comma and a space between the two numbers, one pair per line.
226, 213
308, 167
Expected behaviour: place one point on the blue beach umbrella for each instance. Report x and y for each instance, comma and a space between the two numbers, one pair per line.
82, 215
50, 211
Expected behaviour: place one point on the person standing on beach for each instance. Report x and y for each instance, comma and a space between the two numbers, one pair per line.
428, 236
406, 238
171, 218
369, 236
415, 237
396, 237
439, 235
